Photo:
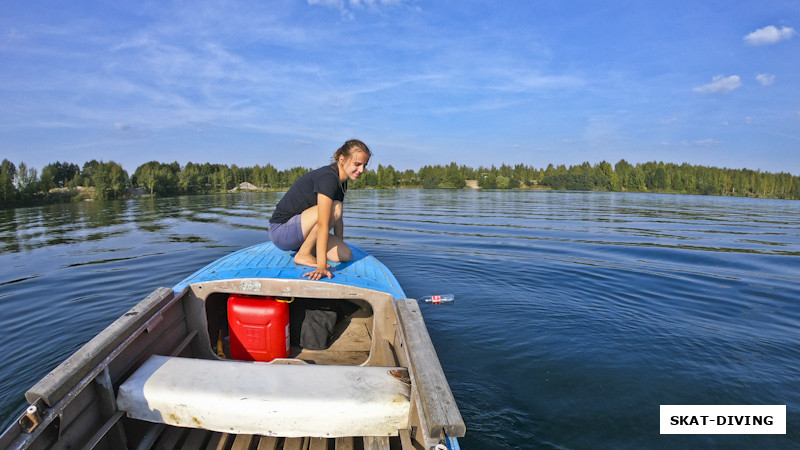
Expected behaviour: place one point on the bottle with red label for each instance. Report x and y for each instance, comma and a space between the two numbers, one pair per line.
438, 299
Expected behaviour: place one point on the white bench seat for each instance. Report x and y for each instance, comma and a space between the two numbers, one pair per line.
267, 399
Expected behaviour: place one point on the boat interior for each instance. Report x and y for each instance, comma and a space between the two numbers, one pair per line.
93, 399
349, 343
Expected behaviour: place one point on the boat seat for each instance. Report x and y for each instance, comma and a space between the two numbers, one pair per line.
267, 399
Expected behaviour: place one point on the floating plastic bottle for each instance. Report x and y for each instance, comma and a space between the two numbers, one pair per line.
436, 299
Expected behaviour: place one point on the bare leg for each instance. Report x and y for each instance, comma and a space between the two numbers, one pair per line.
306, 255
337, 249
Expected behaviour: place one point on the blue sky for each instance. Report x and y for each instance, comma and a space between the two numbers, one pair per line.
480, 83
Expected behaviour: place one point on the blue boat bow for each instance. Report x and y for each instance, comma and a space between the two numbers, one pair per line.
267, 261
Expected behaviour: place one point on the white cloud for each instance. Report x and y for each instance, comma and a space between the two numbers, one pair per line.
345, 6
333, 3
704, 143
769, 35
720, 85
707, 143
765, 79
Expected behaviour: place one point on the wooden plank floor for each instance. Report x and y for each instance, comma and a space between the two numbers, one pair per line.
173, 438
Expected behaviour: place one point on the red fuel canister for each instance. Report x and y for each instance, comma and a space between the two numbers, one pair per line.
259, 328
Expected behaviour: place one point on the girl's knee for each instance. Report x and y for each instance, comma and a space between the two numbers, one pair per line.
344, 253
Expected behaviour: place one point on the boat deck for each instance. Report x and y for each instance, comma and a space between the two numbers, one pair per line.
266, 261
192, 439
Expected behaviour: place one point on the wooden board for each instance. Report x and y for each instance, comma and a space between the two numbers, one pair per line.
436, 399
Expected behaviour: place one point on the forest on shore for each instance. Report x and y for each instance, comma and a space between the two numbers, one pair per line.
62, 181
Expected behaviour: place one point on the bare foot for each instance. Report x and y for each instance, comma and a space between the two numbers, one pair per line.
305, 259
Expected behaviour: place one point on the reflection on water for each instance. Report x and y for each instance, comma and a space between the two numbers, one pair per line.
577, 314
27, 229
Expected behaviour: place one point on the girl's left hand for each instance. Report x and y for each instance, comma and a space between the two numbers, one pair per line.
317, 274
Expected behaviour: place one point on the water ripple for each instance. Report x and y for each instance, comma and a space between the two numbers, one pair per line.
577, 314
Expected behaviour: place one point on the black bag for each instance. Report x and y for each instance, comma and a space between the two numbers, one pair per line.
317, 328
312, 321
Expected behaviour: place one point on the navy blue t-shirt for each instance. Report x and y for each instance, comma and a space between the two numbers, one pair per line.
303, 193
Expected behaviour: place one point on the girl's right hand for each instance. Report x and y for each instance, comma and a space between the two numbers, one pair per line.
317, 274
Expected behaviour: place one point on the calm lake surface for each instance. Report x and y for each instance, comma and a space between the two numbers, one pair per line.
577, 313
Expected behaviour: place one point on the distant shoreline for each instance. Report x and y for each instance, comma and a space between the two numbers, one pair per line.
66, 182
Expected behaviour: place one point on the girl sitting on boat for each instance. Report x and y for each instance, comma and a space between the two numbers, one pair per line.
312, 207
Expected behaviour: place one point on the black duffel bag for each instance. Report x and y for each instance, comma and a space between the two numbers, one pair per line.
312, 322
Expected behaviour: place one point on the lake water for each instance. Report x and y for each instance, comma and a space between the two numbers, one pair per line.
577, 313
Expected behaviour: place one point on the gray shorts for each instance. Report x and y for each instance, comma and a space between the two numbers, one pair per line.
287, 236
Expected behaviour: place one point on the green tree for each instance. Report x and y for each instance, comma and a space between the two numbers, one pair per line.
222, 179
368, 179
48, 179
88, 172
659, 179
145, 176
622, 170
453, 177
431, 176
636, 180
109, 179
117, 179
58, 175
604, 169
271, 176
158, 178
487, 180
101, 181
27, 182
288, 177
238, 175
189, 179
387, 177
503, 182
8, 172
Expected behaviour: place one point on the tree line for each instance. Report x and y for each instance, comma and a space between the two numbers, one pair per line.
61, 181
